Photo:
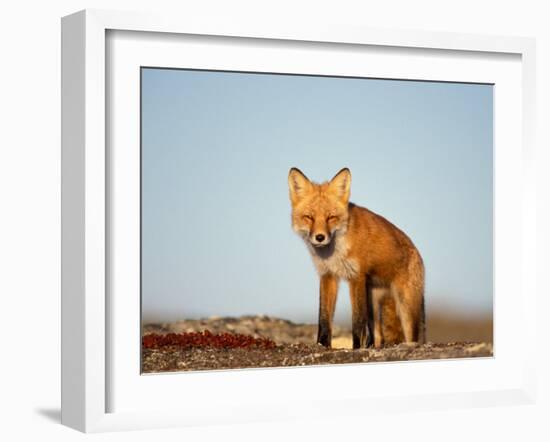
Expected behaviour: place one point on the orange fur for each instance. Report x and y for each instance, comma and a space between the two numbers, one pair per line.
382, 266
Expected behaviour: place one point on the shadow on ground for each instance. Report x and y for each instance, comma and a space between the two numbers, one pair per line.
51, 414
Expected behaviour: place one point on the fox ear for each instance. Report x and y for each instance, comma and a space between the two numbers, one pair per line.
341, 184
298, 184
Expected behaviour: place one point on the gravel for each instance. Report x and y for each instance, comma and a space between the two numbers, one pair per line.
295, 347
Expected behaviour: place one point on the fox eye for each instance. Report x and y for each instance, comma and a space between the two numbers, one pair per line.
332, 218
307, 218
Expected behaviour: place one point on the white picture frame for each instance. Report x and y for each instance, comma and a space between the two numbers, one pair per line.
87, 356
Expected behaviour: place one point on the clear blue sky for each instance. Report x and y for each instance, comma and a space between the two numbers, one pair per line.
216, 150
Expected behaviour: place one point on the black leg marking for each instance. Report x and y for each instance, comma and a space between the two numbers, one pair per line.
370, 315
324, 335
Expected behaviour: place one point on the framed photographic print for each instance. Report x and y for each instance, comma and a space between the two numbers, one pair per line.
280, 215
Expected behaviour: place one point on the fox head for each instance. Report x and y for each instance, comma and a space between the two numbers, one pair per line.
319, 211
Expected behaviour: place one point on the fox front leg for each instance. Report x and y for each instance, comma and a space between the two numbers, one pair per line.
361, 325
327, 300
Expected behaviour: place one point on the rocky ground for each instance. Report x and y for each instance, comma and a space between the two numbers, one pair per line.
295, 347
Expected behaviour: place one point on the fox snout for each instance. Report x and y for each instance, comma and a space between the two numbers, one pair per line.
320, 239
316, 236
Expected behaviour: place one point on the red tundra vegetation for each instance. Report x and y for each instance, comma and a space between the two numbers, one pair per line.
204, 339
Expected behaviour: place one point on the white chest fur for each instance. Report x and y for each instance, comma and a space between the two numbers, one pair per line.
335, 260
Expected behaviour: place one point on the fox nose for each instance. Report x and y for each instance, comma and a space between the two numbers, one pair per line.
320, 237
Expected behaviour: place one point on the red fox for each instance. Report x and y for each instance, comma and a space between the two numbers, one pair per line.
382, 266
